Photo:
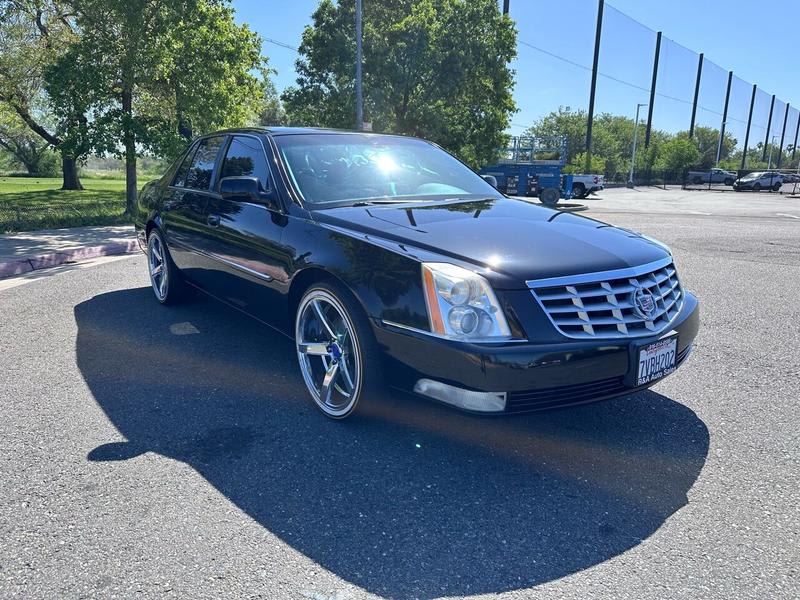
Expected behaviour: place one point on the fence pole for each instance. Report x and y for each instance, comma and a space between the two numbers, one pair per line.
652, 91
769, 126
796, 131
749, 122
696, 94
590, 117
724, 118
783, 135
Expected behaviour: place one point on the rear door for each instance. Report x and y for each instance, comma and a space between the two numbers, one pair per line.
244, 238
184, 207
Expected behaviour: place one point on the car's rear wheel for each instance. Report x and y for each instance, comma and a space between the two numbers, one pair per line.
338, 355
728, 181
579, 191
549, 196
165, 278
776, 187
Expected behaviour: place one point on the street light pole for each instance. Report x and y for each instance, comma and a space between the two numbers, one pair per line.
635, 132
359, 96
719, 143
771, 146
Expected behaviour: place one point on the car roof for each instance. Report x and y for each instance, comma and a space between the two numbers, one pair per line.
280, 130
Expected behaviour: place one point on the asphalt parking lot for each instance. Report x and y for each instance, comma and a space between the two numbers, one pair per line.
149, 451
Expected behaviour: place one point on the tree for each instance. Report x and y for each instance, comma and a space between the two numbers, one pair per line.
677, 154
27, 148
33, 33
271, 111
152, 74
707, 140
432, 68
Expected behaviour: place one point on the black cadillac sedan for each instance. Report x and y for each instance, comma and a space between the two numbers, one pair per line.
388, 261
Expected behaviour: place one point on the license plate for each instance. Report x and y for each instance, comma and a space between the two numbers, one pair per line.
656, 360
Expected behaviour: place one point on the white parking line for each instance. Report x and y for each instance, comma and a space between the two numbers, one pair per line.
697, 212
788, 215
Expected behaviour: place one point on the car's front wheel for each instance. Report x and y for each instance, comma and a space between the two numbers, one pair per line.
165, 278
338, 355
757, 187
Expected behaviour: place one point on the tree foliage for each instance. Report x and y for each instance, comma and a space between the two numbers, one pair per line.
152, 74
33, 34
612, 143
432, 68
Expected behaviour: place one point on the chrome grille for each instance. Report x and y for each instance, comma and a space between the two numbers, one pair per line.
601, 305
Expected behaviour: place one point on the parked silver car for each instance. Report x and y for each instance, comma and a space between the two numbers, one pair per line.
759, 180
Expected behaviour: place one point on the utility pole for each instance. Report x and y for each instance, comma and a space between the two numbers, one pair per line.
593, 88
359, 96
505, 7
652, 91
633, 155
696, 94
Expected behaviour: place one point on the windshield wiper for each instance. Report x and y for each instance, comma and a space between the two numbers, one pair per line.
372, 202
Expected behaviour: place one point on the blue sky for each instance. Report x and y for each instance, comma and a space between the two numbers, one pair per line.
723, 30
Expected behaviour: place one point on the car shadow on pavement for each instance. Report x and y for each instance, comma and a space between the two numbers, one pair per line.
409, 499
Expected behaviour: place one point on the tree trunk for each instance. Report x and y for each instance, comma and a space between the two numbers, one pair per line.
184, 125
129, 141
69, 166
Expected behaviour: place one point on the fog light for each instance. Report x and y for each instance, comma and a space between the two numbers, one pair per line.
466, 399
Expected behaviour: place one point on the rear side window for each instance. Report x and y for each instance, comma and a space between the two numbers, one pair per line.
199, 175
245, 157
180, 175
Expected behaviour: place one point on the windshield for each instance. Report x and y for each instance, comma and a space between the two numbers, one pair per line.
757, 175
335, 169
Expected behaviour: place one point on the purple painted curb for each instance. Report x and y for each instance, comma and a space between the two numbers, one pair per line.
19, 266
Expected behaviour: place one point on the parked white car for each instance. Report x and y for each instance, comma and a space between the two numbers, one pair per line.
583, 185
711, 176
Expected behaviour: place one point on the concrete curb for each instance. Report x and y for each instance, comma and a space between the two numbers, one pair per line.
18, 266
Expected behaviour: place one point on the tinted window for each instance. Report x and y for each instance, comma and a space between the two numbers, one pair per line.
199, 176
180, 175
245, 157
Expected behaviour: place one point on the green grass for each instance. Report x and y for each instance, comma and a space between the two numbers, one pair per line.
30, 203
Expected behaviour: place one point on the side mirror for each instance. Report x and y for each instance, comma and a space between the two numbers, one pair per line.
246, 189
491, 180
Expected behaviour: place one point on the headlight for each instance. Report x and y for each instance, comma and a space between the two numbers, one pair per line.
462, 305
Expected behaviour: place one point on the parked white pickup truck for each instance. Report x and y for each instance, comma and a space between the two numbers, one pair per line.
583, 185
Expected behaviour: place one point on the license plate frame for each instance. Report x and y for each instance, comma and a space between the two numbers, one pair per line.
653, 360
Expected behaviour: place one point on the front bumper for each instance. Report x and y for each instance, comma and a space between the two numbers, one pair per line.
532, 376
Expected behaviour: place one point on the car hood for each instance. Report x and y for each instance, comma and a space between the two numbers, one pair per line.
511, 240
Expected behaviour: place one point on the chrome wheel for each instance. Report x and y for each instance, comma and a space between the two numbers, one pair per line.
159, 277
328, 352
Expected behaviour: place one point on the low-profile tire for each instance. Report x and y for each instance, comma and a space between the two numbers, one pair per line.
549, 196
757, 187
165, 278
339, 358
579, 191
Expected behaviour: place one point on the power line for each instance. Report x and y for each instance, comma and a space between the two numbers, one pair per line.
281, 44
